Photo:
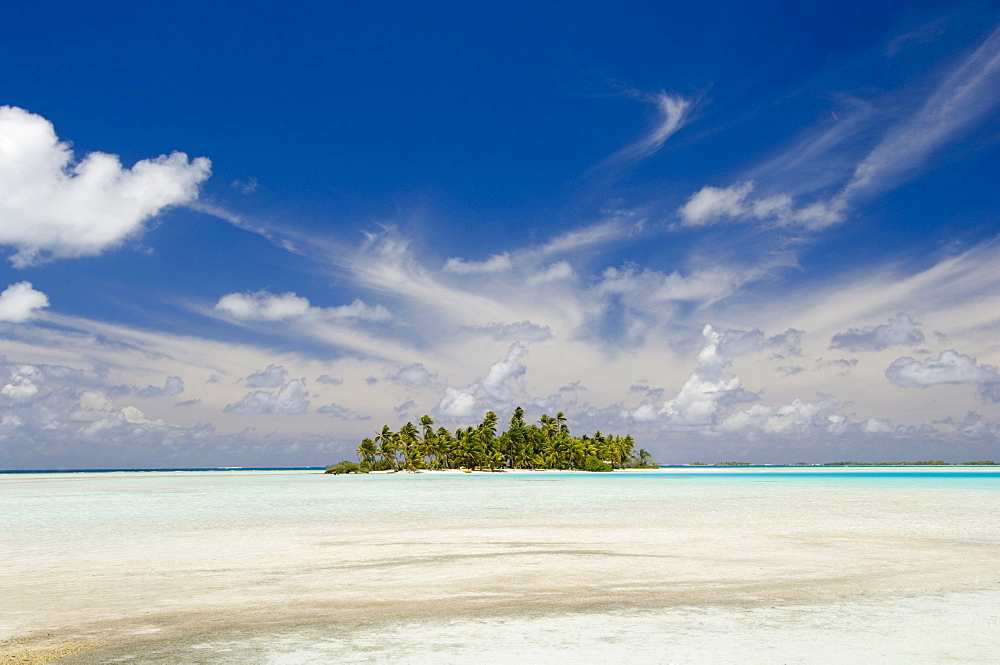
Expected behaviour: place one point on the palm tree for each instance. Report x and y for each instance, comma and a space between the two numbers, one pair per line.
560, 421
367, 452
387, 447
408, 440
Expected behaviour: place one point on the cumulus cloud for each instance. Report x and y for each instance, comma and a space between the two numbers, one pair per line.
497, 381
709, 401
341, 412
174, 385
414, 374
736, 342
496, 263
709, 390
263, 306
20, 302
47, 408
556, 271
270, 377
266, 306
710, 205
495, 387
54, 207
328, 380
404, 408
901, 329
21, 383
799, 416
290, 399
949, 367
458, 403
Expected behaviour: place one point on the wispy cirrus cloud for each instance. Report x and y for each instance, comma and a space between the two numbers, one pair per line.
961, 98
674, 111
966, 94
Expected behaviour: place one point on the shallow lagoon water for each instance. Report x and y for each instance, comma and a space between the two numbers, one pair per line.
699, 566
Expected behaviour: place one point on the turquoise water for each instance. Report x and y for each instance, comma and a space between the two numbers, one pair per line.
700, 566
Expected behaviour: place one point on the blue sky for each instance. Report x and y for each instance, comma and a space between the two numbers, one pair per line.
739, 231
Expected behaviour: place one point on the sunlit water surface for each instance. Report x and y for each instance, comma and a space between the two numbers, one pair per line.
692, 567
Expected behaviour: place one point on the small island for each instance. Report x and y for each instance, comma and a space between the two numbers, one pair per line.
545, 445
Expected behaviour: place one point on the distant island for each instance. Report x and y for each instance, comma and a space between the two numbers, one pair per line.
545, 445
927, 463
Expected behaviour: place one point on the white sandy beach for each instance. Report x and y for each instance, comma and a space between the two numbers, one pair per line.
152, 564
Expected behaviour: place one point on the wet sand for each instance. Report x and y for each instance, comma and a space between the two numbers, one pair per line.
376, 558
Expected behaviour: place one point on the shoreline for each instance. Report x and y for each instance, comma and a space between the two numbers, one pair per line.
662, 469
727, 470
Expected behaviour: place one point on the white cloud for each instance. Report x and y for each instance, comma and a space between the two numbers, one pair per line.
341, 412
735, 342
403, 409
799, 416
709, 390
673, 111
20, 302
174, 385
263, 306
877, 426
644, 289
53, 207
948, 367
495, 387
266, 306
134, 416
291, 399
901, 329
21, 384
587, 236
414, 374
556, 271
502, 372
458, 403
522, 331
496, 263
271, 377
966, 94
248, 186
710, 205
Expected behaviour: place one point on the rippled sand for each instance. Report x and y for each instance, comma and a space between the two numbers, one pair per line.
301, 568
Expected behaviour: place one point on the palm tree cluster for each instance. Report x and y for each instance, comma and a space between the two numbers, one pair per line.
545, 445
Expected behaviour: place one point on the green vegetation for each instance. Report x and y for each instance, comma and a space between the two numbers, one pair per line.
545, 445
927, 463
345, 467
